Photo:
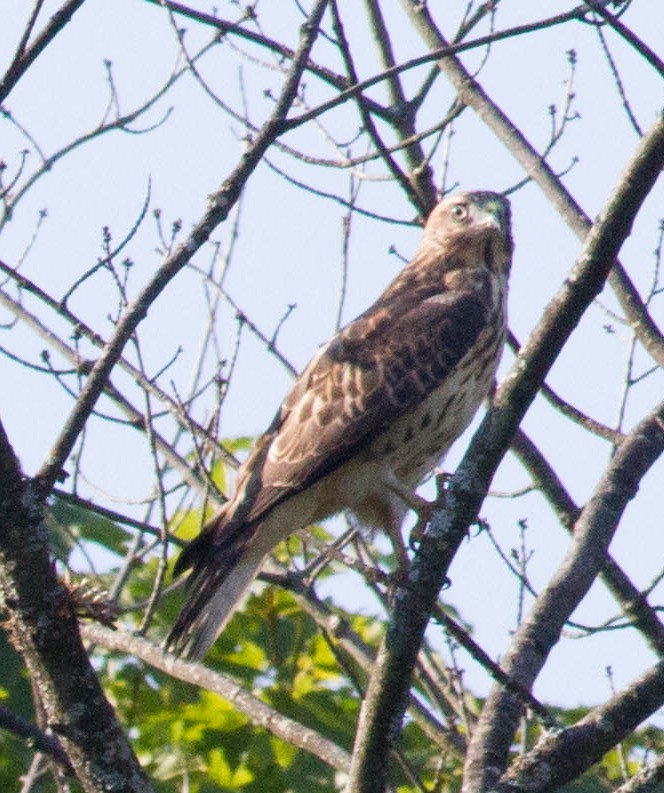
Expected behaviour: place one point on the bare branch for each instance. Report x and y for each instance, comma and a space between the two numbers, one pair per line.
494, 669
627, 34
472, 94
135, 418
261, 714
25, 57
488, 750
587, 422
232, 28
561, 756
633, 602
382, 711
220, 204
408, 187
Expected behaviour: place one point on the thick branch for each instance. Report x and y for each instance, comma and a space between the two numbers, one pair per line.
562, 756
540, 631
44, 629
382, 712
261, 714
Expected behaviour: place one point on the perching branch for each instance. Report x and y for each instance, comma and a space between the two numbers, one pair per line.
380, 719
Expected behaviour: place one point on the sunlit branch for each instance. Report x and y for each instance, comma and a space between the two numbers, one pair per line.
261, 714
563, 755
382, 710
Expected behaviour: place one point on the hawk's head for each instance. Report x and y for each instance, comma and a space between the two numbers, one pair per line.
477, 223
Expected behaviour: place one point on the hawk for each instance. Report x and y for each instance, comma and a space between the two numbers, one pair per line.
371, 415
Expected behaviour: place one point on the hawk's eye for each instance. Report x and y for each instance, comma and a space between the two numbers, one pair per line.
459, 212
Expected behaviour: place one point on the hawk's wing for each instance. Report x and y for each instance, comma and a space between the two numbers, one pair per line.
376, 369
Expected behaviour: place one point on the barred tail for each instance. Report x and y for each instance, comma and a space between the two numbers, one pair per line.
209, 608
222, 573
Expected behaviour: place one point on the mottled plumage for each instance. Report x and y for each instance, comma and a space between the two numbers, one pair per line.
372, 414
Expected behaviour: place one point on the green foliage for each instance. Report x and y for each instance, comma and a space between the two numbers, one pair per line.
184, 733
192, 739
15, 695
71, 525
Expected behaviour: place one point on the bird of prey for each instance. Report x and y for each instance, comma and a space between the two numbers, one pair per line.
371, 415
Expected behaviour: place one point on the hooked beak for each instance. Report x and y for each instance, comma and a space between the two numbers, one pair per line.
498, 213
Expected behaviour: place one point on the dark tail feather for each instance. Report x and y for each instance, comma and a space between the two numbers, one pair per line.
222, 571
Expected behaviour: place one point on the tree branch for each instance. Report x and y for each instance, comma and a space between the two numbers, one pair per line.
234, 29
24, 58
149, 385
380, 718
472, 94
627, 34
44, 628
261, 714
190, 474
220, 204
408, 186
34, 736
558, 757
540, 631
648, 780
634, 603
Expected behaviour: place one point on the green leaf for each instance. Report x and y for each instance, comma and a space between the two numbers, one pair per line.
71, 523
